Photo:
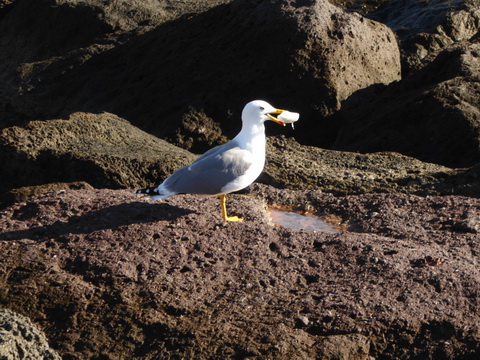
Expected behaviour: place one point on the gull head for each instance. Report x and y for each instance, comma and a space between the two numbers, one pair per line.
259, 111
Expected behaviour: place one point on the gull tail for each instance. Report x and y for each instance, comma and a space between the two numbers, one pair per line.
155, 193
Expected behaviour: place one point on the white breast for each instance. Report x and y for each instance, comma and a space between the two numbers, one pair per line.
256, 151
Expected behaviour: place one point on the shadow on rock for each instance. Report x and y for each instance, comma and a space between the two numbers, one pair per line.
108, 218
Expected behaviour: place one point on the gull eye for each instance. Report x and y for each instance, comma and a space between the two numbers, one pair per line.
262, 108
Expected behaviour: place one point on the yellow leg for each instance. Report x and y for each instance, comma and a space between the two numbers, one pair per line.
223, 203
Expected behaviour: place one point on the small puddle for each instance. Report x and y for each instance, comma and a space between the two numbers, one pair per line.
304, 221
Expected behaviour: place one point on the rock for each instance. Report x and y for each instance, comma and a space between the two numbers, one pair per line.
112, 273
41, 36
21, 339
307, 56
28, 22
25, 193
432, 115
301, 321
363, 7
5, 3
106, 151
295, 166
102, 150
426, 28
345, 347
470, 224
198, 130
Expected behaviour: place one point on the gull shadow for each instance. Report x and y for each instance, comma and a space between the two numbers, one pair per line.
108, 218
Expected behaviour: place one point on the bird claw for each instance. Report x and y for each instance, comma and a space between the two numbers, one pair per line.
233, 218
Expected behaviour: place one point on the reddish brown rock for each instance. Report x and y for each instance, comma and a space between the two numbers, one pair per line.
107, 272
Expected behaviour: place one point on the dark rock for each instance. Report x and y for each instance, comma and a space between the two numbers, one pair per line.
363, 7
350, 346
25, 193
295, 166
307, 56
471, 224
425, 28
29, 23
301, 321
102, 150
21, 339
43, 37
106, 151
433, 115
197, 130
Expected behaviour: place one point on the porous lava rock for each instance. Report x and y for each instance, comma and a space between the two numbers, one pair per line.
432, 115
103, 150
37, 30
26, 192
21, 339
52, 37
100, 149
295, 166
107, 273
307, 56
425, 28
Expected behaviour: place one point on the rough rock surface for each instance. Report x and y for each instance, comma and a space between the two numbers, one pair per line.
425, 28
309, 55
102, 150
27, 24
432, 115
21, 339
26, 192
43, 37
294, 166
363, 7
108, 274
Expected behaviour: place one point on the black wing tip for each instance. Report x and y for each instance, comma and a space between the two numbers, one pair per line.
148, 191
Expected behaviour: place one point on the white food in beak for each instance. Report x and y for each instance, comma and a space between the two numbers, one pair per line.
288, 117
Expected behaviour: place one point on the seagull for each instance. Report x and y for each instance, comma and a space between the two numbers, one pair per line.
225, 168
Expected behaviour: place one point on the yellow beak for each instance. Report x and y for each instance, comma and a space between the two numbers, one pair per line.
273, 118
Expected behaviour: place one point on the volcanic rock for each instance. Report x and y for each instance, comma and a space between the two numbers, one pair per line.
295, 166
102, 150
52, 37
306, 56
28, 23
363, 7
25, 193
108, 273
433, 115
425, 28
21, 339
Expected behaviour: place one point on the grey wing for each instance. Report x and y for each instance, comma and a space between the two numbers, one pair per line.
211, 172
217, 149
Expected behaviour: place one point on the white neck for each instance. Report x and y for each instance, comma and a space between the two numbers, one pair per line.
251, 136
